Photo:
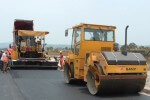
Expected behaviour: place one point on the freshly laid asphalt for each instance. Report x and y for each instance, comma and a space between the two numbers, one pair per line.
49, 85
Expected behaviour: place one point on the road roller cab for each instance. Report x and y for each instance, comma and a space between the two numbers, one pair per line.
95, 59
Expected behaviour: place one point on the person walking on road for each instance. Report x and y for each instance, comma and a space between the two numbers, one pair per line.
5, 59
61, 61
1, 62
10, 52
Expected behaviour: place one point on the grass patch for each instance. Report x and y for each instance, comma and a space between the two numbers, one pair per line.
148, 62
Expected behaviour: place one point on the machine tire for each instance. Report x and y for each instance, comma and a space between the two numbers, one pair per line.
67, 74
72, 70
91, 83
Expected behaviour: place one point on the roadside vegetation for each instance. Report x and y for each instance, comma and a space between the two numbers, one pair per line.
145, 50
132, 47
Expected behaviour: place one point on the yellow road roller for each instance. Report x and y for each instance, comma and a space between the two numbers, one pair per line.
95, 59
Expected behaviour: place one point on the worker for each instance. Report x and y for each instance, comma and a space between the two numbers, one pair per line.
47, 56
1, 62
4, 58
61, 61
10, 50
96, 36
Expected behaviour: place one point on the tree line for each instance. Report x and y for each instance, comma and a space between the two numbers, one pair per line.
132, 47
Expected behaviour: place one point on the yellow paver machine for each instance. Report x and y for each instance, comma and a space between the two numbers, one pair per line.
95, 59
28, 46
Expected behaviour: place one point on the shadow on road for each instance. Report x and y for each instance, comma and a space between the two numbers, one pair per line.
77, 83
83, 89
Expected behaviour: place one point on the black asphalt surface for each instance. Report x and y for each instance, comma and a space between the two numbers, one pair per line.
49, 85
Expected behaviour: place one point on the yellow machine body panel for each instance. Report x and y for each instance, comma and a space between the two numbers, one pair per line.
126, 69
14, 55
88, 46
32, 33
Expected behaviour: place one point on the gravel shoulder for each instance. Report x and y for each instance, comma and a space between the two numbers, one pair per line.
148, 80
147, 86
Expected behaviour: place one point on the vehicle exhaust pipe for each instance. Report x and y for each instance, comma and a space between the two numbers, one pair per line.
125, 49
126, 37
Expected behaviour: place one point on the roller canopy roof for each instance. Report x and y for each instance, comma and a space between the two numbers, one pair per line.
32, 33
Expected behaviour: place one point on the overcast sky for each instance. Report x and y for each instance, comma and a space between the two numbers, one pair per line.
57, 15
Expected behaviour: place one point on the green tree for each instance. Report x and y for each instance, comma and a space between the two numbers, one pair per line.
66, 48
141, 47
50, 48
132, 46
122, 48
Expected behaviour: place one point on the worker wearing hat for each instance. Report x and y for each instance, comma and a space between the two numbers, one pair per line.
61, 61
5, 60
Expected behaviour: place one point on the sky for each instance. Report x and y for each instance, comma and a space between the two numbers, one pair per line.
57, 15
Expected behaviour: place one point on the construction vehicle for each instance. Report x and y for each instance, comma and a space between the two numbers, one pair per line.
28, 46
95, 59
